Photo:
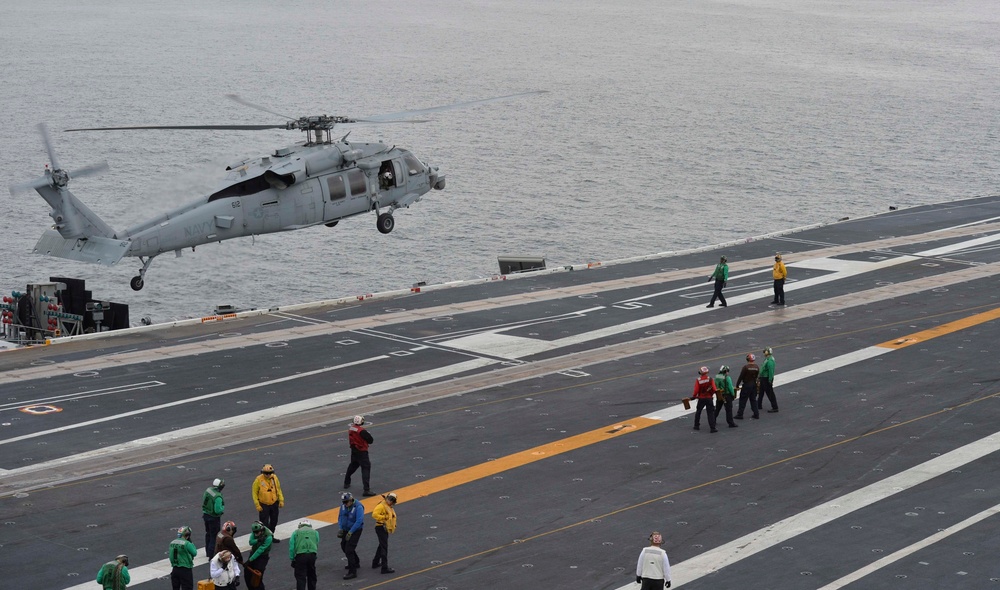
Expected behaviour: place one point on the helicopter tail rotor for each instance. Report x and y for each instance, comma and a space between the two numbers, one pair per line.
73, 218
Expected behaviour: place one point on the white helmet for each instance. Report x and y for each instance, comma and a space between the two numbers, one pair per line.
304, 522
359, 420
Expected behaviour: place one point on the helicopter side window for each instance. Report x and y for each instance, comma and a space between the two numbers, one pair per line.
241, 189
413, 165
386, 175
356, 178
337, 189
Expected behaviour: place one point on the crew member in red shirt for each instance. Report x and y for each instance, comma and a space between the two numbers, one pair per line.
704, 392
359, 439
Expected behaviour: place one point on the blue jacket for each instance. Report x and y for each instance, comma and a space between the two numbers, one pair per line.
353, 518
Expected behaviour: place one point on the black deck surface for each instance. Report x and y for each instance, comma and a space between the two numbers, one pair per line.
496, 374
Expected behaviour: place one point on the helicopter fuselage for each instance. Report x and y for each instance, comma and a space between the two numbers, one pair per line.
295, 187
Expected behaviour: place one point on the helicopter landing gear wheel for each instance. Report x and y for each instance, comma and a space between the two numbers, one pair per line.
136, 283
385, 223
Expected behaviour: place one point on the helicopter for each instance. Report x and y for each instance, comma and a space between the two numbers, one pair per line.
319, 181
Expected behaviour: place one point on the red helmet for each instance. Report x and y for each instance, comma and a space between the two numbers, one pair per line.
751, 357
230, 527
703, 371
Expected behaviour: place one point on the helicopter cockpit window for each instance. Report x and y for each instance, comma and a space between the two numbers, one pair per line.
413, 165
356, 178
337, 188
241, 189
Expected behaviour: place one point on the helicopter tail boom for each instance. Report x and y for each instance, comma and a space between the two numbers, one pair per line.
95, 249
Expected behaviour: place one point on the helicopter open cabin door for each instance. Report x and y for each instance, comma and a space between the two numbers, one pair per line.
335, 203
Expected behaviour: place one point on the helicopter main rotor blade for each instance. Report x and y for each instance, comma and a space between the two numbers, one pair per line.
43, 129
247, 103
457, 105
209, 127
91, 170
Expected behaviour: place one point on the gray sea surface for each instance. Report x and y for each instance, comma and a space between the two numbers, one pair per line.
666, 125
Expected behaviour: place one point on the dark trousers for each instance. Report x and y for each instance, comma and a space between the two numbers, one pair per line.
706, 404
359, 459
350, 549
181, 578
748, 393
259, 564
305, 571
212, 526
766, 388
382, 553
719, 283
779, 291
728, 403
652, 584
269, 515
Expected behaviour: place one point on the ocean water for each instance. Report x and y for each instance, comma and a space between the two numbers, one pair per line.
666, 125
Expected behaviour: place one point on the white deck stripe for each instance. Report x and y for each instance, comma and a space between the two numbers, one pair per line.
779, 532
890, 559
269, 413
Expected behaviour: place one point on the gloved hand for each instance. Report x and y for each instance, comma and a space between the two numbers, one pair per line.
236, 582
347, 536
638, 579
666, 584
340, 533
293, 563
259, 509
725, 283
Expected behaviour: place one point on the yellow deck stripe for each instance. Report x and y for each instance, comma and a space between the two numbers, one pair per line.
943, 329
483, 470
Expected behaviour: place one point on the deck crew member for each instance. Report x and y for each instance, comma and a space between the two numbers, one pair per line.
385, 524
302, 548
704, 392
720, 275
746, 383
225, 541
351, 521
724, 385
653, 569
260, 550
212, 507
779, 273
181, 554
359, 439
114, 574
224, 571
767, 382
267, 497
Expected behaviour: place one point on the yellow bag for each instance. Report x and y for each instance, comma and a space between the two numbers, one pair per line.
206, 585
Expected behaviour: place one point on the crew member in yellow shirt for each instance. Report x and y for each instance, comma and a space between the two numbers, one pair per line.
779, 273
385, 524
267, 498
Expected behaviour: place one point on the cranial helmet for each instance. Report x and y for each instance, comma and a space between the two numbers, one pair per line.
219, 483
267, 469
751, 357
122, 558
768, 351
656, 538
359, 420
724, 369
346, 497
703, 371
304, 522
257, 526
230, 527
722, 259
184, 531
391, 497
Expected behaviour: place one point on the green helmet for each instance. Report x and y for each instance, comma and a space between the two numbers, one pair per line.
257, 526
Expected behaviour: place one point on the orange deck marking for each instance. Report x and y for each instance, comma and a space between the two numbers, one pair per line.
943, 329
499, 465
